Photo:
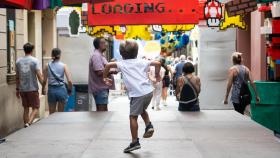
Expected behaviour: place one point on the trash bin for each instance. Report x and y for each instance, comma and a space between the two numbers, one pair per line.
70, 106
83, 101
267, 113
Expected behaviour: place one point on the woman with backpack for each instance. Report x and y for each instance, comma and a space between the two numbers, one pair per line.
238, 78
188, 89
58, 90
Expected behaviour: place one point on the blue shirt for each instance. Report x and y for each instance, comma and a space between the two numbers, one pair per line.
179, 69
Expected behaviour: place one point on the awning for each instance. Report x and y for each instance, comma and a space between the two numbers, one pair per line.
56, 3
22, 4
41, 4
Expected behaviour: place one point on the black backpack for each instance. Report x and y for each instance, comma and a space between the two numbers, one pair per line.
245, 96
188, 93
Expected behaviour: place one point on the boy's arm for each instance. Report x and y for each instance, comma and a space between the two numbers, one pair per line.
106, 72
157, 65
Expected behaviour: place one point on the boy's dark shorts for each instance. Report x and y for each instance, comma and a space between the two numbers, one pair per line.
139, 104
30, 99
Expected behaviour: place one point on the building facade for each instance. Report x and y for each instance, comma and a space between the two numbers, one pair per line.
16, 28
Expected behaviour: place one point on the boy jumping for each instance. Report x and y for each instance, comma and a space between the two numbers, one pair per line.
139, 87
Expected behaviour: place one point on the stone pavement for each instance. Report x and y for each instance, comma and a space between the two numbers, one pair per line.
207, 134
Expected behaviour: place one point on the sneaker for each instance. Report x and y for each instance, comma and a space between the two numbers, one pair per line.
149, 131
164, 103
132, 146
2, 140
26, 125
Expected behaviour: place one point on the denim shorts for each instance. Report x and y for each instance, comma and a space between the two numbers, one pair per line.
57, 94
101, 98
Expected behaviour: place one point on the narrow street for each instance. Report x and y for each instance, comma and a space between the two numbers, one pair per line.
209, 134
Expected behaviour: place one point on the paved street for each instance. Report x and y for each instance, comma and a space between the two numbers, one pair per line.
207, 134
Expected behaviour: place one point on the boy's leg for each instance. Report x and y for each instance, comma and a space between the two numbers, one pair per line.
134, 145
134, 128
149, 130
145, 117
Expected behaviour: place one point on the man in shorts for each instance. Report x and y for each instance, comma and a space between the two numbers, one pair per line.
28, 74
96, 85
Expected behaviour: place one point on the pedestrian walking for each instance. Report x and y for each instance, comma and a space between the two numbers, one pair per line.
28, 74
58, 91
140, 89
97, 87
188, 89
166, 80
179, 67
238, 78
157, 87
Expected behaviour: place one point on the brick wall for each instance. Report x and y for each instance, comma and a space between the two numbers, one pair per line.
237, 7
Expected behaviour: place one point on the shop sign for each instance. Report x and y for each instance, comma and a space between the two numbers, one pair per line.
143, 12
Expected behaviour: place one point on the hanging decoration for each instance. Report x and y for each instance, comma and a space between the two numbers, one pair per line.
100, 31
172, 40
138, 32
213, 13
120, 32
172, 28
234, 21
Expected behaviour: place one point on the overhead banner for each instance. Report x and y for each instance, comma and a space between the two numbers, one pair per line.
73, 2
143, 12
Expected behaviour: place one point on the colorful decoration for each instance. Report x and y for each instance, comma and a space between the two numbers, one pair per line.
100, 31
172, 28
138, 32
213, 13
172, 41
234, 21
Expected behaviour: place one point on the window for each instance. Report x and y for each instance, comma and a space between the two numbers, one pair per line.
11, 46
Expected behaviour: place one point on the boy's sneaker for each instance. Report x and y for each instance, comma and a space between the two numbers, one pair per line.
132, 146
149, 131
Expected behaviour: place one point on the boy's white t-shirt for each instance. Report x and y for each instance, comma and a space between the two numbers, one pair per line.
135, 76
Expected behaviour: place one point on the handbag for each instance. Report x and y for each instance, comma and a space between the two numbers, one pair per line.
69, 89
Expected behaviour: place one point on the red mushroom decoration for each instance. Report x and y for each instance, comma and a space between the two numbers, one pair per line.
213, 13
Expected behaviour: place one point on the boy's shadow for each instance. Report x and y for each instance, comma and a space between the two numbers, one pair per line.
146, 154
